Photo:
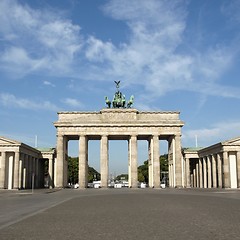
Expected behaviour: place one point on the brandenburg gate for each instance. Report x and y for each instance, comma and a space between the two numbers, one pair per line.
120, 123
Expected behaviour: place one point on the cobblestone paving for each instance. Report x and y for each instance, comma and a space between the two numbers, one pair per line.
120, 214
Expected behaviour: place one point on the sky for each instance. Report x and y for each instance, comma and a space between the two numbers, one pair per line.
64, 55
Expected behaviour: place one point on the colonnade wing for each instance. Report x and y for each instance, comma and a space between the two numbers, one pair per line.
20, 165
216, 166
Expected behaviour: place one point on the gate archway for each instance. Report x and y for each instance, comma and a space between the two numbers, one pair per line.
121, 124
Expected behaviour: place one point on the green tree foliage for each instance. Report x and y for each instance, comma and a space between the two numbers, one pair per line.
143, 172
73, 171
93, 175
164, 162
143, 169
122, 177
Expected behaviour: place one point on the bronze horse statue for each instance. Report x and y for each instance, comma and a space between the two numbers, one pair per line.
108, 102
119, 100
130, 102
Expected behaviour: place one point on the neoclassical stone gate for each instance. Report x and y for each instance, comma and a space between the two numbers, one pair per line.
120, 124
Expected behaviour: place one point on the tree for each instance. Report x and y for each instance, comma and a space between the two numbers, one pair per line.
93, 175
164, 163
73, 171
143, 169
122, 177
143, 172
141, 177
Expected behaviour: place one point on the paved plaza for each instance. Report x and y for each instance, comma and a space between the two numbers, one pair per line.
120, 214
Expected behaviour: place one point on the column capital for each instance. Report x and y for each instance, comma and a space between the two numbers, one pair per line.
104, 135
133, 135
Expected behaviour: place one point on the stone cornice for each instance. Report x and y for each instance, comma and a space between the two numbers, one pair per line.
119, 110
117, 124
118, 118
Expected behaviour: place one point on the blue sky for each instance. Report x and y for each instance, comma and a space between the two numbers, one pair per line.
64, 55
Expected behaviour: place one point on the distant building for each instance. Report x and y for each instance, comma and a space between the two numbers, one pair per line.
21, 166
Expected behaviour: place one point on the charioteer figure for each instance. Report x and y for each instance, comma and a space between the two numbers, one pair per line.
119, 99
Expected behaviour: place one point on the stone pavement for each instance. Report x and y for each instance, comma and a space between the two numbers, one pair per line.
120, 214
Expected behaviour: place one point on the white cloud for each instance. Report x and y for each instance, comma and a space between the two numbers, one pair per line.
17, 62
218, 132
98, 50
72, 102
151, 57
47, 83
9, 100
43, 39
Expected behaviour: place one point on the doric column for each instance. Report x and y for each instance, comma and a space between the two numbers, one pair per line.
171, 159
194, 178
226, 170
156, 163
16, 170
133, 171
60, 161
104, 161
184, 178
83, 168
26, 171
183, 171
214, 170
50, 172
205, 172
65, 162
188, 184
31, 170
150, 163
24, 183
3, 170
238, 169
37, 173
177, 159
34, 171
200, 173
10, 171
209, 172
197, 175
20, 176
219, 169
170, 174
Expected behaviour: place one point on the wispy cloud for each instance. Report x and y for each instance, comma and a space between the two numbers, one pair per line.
55, 38
151, 56
231, 10
218, 132
156, 33
47, 83
71, 102
9, 100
